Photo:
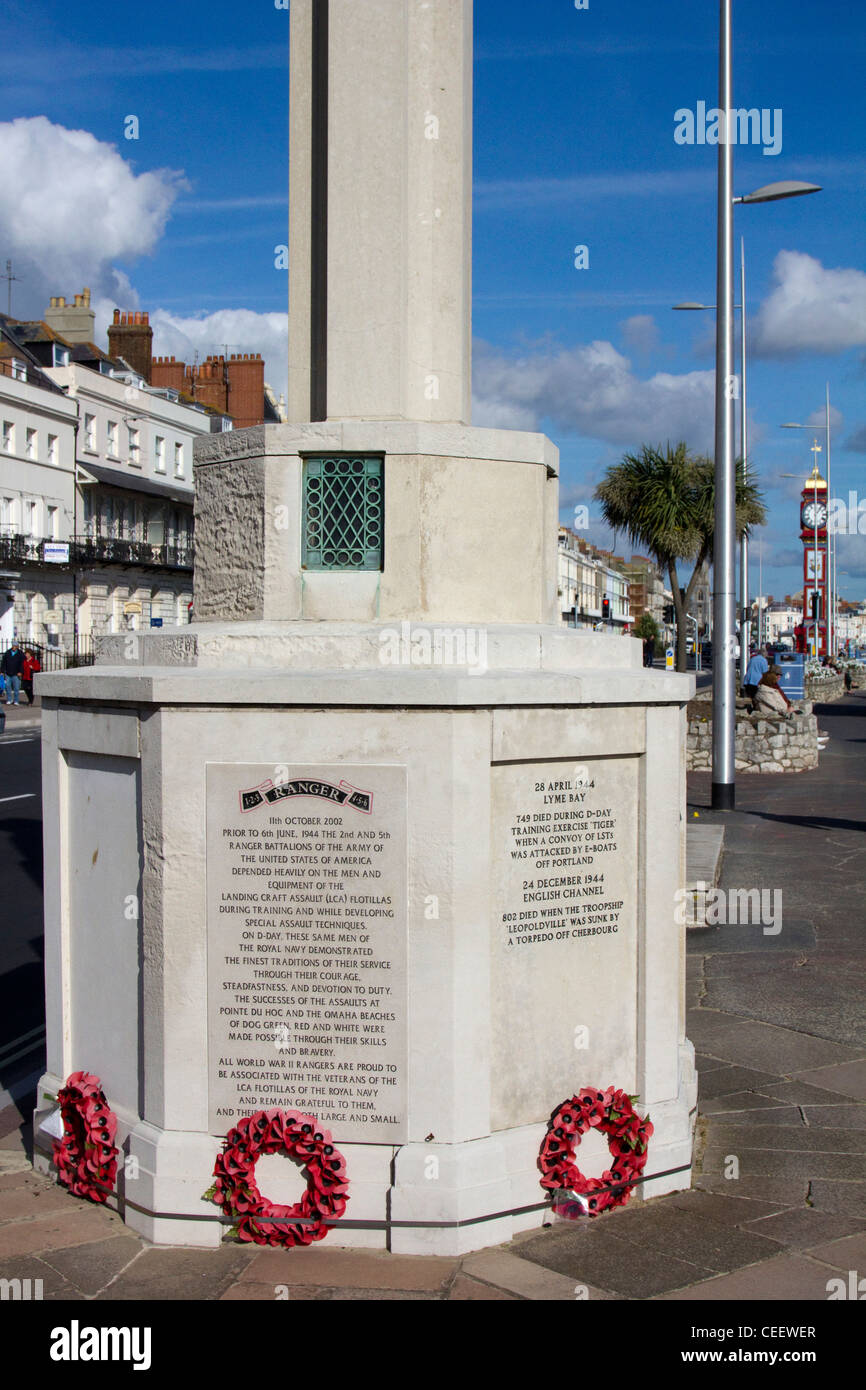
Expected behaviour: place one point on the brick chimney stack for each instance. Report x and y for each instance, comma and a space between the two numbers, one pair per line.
246, 389
130, 336
166, 372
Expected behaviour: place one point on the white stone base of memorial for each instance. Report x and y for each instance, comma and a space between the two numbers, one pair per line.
532, 812
414, 1199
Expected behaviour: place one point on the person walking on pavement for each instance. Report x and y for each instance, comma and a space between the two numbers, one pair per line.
757, 668
13, 663
649, 649
31, 665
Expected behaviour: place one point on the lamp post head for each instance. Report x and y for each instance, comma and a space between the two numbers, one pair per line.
773, 192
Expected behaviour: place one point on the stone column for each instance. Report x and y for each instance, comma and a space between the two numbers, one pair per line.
380, 231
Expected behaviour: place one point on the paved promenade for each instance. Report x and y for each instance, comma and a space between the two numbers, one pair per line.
778, 1208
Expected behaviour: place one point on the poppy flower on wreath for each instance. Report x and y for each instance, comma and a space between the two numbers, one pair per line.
611, 1112
303, 1139
86, 1156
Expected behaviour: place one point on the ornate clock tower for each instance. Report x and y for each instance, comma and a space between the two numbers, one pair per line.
813, 534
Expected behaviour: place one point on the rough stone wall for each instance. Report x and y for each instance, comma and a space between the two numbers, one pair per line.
824, 689
762, 744
230, 533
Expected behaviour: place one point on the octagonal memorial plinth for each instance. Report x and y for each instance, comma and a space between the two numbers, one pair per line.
425, 900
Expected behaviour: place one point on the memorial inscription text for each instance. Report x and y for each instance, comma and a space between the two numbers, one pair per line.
306, 946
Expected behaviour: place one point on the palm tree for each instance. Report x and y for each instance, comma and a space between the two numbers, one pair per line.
665, 500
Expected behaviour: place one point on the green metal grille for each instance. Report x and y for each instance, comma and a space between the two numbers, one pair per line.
343, 513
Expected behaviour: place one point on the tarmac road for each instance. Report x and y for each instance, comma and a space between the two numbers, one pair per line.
22, 998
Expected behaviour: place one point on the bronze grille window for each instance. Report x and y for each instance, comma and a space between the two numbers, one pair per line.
344, 513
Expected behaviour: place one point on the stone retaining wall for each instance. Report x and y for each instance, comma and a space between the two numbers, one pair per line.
762, 744
824, 689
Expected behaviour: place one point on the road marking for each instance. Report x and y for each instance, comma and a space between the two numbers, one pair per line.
24, 1051
23, 1038
25, 796
5, 742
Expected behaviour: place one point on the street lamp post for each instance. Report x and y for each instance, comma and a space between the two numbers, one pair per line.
724, 565
744, 543
723, 793
761, 593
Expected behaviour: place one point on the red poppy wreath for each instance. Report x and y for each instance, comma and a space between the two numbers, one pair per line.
86, 1156
268, 1223
612, 1113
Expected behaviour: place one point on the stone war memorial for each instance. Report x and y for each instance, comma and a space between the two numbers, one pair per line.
375, 842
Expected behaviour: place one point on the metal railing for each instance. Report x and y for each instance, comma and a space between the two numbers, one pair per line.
54, 659
21, 550
110, 550
97, 550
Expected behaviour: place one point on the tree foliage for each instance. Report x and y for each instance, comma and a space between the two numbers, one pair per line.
664, 499
646, 626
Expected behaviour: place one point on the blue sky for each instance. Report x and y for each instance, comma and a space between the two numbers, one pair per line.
574, 145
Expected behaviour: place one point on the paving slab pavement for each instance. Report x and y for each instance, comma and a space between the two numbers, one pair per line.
21, 716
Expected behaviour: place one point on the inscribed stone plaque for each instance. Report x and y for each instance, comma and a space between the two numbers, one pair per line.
306, 893
564, 933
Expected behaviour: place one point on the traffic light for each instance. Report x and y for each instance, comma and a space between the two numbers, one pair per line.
816, 606
605, 609
668, 613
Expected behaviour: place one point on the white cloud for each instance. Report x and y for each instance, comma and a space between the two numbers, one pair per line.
818, 419
811, 309
857, 442
89, 60
640, 333
241, 329
851, 557
535, 194
77, 209
592, 391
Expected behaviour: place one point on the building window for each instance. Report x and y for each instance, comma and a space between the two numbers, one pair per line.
59, 356
159, 454
53, 455
112, 439
52, 523
343, 513
30, 445
31, 518
134, 447
178, 460
7, 515
8, 437
19, 369
90, 433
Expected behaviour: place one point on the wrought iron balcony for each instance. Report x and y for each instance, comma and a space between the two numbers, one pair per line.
21, 550
97, 550
109, 550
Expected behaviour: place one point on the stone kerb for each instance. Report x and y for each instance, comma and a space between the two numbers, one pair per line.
785, 744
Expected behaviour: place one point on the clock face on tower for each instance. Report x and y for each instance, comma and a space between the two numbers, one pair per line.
814, 516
